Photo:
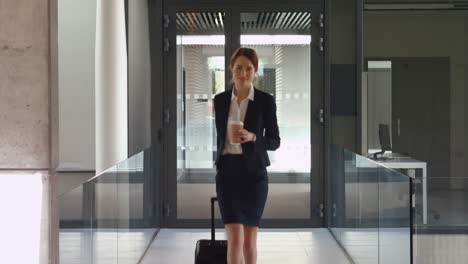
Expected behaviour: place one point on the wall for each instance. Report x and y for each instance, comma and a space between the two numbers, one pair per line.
429, 34
379, 104
111, 84
76, 42
139, 77
342, 52
77, 36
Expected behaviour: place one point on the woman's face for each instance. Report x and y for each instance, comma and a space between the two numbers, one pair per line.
243, 72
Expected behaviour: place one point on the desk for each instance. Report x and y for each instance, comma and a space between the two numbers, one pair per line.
398, 161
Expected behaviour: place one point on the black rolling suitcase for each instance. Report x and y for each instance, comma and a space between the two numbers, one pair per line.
211, 251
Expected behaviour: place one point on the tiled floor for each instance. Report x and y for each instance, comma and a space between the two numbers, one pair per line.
293, 246
105, 246
441, 249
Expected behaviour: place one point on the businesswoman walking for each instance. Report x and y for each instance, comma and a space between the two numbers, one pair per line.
247, 127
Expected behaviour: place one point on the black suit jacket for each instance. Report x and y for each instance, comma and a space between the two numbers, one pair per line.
260, 119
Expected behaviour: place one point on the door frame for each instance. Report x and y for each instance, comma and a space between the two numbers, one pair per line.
232, 36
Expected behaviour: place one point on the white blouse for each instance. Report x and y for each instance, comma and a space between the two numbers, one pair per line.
237, 113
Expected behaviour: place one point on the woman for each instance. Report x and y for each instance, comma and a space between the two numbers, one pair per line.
241, 180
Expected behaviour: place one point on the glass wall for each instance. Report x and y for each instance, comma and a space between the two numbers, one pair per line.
415, 81
369, 209
110, 218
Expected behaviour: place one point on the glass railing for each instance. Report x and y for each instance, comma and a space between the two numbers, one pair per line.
370, 212
111, 218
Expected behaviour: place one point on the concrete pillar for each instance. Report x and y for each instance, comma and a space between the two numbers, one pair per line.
27, 133
111, 84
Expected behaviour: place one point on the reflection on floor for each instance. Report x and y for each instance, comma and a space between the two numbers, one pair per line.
391, 245
110, 245
372, 245
275, 246
285, 201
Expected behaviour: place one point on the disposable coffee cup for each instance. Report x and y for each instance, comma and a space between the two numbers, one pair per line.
234, 136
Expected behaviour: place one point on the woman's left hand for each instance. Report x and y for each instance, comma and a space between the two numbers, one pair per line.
246, 136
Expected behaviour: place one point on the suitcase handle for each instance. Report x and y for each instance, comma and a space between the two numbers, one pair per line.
213, 200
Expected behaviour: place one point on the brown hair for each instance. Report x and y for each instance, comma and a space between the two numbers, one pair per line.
248, 53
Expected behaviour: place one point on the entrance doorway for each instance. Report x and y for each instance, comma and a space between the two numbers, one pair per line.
198, 44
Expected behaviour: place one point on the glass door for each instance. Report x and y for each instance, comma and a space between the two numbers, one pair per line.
283, 42
196, 73
290, 68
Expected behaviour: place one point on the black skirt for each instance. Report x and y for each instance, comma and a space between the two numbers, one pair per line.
241, 195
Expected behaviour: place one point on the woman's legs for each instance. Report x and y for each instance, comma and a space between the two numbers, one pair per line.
235, 236
250, 244
242, 244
